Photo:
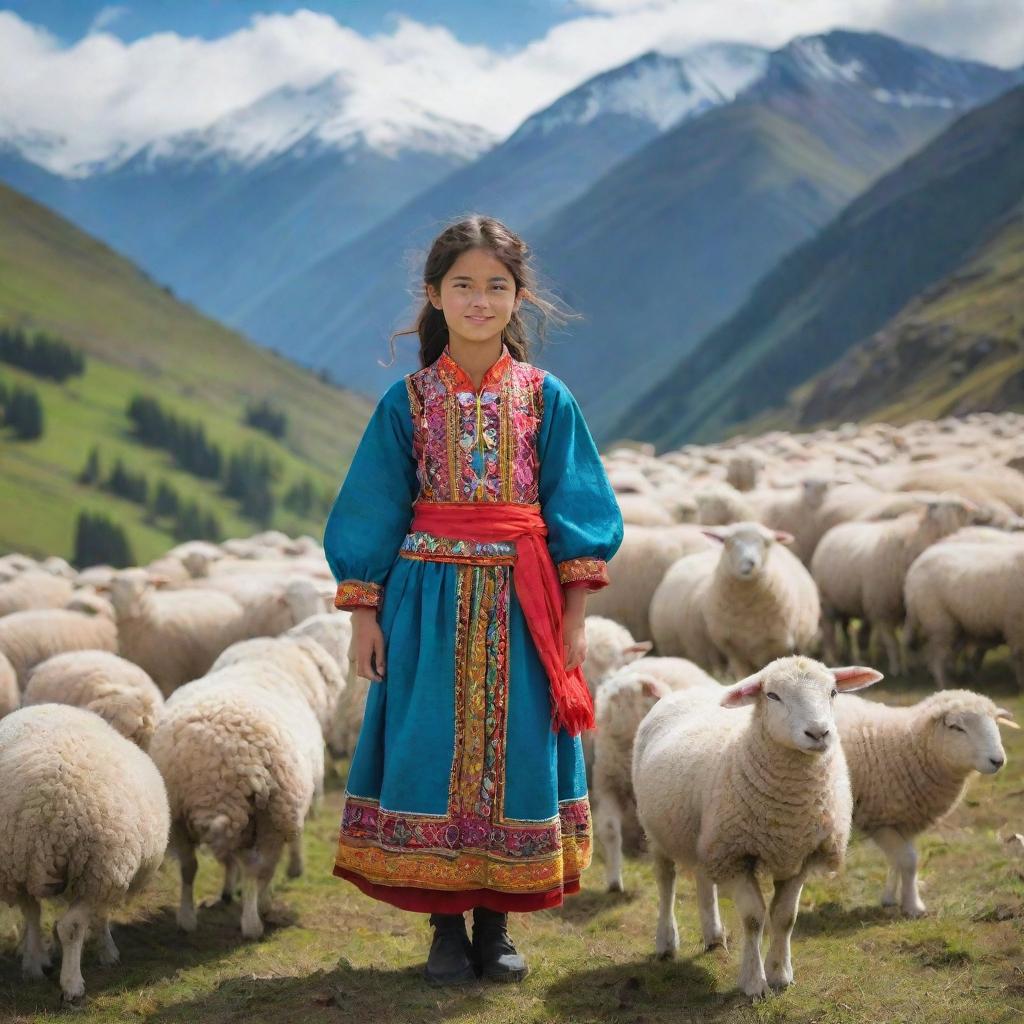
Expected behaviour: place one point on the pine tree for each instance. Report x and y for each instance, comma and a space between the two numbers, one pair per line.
99, 540
91, 470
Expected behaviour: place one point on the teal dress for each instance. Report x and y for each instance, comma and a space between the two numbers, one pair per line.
459, 793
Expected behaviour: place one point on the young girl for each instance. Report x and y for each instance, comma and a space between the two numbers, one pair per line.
467, 788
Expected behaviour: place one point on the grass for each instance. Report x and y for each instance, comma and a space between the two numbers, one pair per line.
333, 954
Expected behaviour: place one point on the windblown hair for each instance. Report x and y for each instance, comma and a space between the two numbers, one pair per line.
480, 232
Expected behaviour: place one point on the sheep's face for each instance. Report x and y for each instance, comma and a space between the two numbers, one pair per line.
610, 647
814, 492
950, 514
127, 588
793, 698
747, 546
969, 741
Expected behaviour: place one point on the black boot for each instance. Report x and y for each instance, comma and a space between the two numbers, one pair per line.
448, 962
495, 956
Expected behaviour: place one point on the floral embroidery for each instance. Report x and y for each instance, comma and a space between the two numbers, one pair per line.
477, 445
358, 594
420, 544
593, 571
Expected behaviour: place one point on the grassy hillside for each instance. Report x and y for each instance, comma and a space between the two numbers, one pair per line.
903, 235
958, 348
332, 954
139, 339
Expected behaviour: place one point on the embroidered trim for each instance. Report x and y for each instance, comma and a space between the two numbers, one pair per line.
593, 571
430, 547
358, 594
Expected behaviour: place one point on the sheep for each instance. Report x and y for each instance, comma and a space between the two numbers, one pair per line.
636, 570
175, 636
33, 589
27, 638
757, 602
643, 510
860, 569
677, 617
909, 767
121, 693
241, 752
720, 505
742, 471
622, 701
725, 791
10, 695
83, 814
273, 604
973, 591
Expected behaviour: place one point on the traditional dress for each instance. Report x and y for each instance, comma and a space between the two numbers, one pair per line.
460, 791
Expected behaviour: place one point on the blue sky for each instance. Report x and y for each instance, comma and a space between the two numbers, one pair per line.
476, 21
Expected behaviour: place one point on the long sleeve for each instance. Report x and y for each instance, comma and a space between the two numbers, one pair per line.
579, 507
373, 509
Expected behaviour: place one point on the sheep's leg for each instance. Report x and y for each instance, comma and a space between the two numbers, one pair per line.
72, 929
778, 966
666, 940
864, 642
903, 859
707, 903
34, 957
227, 891
296, 860
892, 647
258, 865
750, 904
185, 853
829, 646
608, 815
109, 953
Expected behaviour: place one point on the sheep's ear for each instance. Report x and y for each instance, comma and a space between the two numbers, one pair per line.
714, 535
654, 688
1005, 717
158, 580
637, 650
855, 677
746, 691
781, 537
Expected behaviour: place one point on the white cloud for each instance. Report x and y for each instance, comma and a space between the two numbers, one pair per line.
102, 96
106, 16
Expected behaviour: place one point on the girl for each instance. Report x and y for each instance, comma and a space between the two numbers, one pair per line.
467, 789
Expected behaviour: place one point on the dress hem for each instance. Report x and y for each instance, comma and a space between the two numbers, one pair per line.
435, 901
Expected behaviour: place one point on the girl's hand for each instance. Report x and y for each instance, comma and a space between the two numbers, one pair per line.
368, 640
575, 646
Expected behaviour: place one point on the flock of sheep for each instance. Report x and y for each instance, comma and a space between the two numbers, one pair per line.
188, 702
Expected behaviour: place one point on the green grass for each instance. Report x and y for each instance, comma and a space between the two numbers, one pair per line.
333, 954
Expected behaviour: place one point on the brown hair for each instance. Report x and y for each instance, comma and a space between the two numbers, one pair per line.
480, 232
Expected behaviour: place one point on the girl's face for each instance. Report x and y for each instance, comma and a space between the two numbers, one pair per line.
477, 296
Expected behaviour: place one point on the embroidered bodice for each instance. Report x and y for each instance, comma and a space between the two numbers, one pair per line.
477, 445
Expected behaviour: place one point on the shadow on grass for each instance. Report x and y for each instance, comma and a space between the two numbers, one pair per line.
152, 948
835, 919
647, 986
583, 905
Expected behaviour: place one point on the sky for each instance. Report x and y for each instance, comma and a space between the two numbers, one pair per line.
101, 78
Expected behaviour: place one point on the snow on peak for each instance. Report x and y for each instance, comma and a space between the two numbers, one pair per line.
812, 54
659, 88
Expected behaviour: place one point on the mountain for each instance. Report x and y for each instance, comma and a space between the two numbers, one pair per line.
911, 229
956, 348
340, 311
669, 243
137, 339
225, 212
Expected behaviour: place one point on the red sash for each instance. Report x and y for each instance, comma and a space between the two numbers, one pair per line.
537, 587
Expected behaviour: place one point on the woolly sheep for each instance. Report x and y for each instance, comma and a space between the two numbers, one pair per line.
273, 604
121, 693
27, 638
622, 701
972, 591
33, 589
677, 617
860, 569
175, 636
83, 814
751, 779
241, 751
909, 766
759, 602
643, 510
10, 696
637, 569
797, 511
721, 505
742, 471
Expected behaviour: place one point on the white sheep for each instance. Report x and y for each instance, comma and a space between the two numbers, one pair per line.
117, 690
10, 695
175, 635
753, 779
241, 751
909, 766
966, 591
637, 569
622, 701
861, 567
27, 638
272, 603
83, 815
676, 612
720, 505
31, 589
757, 603
797, 511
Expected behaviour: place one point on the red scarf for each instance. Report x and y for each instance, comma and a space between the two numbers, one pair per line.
537, 587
